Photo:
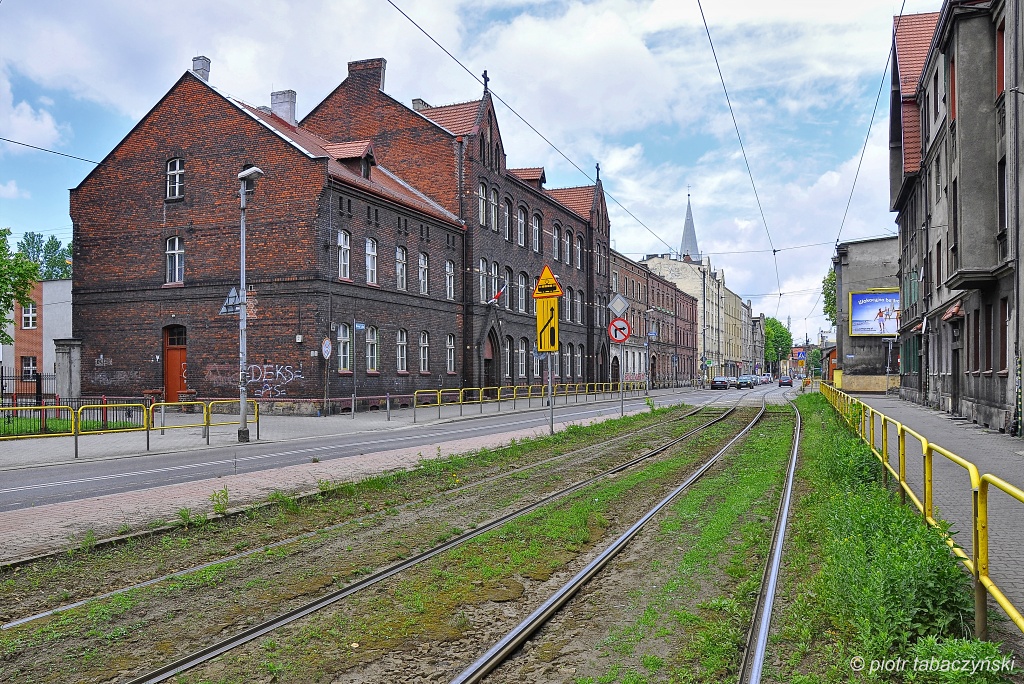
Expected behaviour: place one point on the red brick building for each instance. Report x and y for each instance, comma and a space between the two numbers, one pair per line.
397, 232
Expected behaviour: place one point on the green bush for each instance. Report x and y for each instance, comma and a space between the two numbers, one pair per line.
957, 661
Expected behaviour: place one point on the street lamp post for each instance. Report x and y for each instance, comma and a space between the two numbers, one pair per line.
246, 179
647, 346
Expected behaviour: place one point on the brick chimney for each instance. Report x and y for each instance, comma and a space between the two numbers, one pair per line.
282, 103
201, 67
369, 69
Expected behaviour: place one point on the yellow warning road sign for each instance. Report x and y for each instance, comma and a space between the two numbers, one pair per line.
547, 324
547, 285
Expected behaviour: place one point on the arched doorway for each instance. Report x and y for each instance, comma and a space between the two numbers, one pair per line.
615, 369
652, 371
175, 365
602, 365
491, 359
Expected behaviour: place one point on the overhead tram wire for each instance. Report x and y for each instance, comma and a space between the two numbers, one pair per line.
43, 149
867, 136
528, 124
743, 149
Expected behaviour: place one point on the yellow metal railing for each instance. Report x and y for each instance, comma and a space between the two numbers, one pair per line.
863, 419
24, 422
478, 396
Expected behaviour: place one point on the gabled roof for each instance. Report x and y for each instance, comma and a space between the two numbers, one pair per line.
459, 119
533, 173
913, 38
382, 183
354, 149
580, 199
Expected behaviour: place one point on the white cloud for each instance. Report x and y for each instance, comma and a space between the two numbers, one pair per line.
10, 191
20, 121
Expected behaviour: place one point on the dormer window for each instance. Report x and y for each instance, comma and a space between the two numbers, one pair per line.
176, 178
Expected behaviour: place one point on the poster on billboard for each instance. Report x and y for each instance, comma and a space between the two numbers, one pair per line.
876, 312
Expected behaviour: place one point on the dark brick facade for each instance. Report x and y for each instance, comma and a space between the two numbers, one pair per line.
424, 197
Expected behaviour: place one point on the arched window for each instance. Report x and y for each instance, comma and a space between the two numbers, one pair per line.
482, 196
533, 302
536, 233
494, 280
521, 358
372, 352
483, 281
521, 294
579, 252
579, 362
451, 353
494, 210
424, 352
507, 219
568, 361
508, 287
556, 238
507, 356
344, 348
175, 178
401, 351
568, 247
521, 228
371, 261
580, 310
344, 254
401, 260
568, 304
424, 273
449, 279
175, 253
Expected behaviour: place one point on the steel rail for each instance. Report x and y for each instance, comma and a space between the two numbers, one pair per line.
308, 535
753, 658
524, 630
209, 652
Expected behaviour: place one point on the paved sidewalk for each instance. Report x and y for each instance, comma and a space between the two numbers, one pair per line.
42, 529
991, 452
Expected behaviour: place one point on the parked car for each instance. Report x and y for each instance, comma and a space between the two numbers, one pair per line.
767, 377
720, 382
785, 381
734, 381
745, 381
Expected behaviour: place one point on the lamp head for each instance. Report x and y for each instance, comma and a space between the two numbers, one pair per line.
250, 174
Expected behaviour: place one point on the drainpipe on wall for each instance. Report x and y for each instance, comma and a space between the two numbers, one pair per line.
1015, 425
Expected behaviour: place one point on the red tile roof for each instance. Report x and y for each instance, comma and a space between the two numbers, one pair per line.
382, 182
580, 200
459, 118
354, 149
914, 34
533, 173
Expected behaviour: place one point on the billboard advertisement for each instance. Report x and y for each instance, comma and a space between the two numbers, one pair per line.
875, 313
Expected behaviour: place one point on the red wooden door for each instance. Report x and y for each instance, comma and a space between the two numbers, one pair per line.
175, 370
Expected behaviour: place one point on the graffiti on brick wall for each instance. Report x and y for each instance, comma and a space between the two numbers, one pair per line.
266, 381
113, 377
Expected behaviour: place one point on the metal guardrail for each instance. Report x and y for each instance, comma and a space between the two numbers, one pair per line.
478, 396
863, 419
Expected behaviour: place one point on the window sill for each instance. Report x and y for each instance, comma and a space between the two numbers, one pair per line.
372, 373
165, 285
452, 373
374, 285
1005, 373
987, 374
345, 280
425, 373
402, 373
173, 200
345, 372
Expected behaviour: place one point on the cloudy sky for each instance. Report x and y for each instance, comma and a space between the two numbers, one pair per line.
631, 84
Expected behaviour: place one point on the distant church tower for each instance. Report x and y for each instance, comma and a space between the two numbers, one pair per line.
689, 243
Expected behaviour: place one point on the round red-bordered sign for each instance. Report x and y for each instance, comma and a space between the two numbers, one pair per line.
619, 330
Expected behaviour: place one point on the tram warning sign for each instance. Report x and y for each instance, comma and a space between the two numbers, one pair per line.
547, 285
547, 324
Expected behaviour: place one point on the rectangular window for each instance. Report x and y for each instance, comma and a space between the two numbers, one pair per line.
482, 196
175, 178
976, 341
536, 233
952, 90
1001, 193
1000, 59
424, 274
372, 357
344, 254
28, 368
371, 261
401, 259
938, 264
988, 337
451, 354
424, 352
401, 351
449, 279
1004, 322
29, 318
344, 348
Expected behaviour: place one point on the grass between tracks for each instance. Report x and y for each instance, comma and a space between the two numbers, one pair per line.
866, 585
437, 602
92, 634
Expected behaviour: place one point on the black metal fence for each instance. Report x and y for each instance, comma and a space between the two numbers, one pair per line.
19, 389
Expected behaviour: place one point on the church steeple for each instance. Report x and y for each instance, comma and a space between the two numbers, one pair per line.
689, 244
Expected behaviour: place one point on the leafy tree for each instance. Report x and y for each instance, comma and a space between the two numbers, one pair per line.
814, 359
17, 275
776, 338
828, 297
51, 256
